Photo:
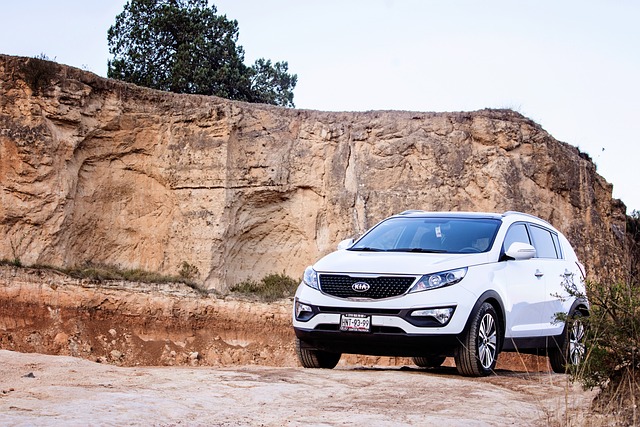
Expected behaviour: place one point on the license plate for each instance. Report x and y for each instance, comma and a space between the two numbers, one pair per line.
355, 322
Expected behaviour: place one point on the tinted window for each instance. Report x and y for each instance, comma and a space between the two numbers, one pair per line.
516, 233
543, 242
556, 242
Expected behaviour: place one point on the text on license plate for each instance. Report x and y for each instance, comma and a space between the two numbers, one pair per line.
355, 322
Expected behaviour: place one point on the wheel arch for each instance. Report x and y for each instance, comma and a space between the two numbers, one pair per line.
493, 298
557, 348
581, 305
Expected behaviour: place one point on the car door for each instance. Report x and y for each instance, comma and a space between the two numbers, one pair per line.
556, 274
524, 288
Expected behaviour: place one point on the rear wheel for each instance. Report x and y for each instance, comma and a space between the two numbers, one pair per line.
312, 358
477, 353
429, 361
572, 350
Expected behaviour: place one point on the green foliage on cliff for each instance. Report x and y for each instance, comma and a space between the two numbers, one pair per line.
270, 288
182, 46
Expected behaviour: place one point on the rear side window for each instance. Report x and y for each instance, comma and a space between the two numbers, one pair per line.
556, 242
543, 242
516, 233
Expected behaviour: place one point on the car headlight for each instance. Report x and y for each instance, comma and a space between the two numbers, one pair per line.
310, 278
439, 280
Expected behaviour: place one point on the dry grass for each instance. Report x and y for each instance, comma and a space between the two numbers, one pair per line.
270, 288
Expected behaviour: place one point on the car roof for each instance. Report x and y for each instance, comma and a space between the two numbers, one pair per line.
430, 214
415, 213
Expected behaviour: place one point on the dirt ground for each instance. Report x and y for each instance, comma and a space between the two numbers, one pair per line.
61, 390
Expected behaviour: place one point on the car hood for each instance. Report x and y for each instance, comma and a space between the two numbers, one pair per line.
350, 262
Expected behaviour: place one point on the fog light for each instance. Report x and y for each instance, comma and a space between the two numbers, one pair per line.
442, 315
303, 311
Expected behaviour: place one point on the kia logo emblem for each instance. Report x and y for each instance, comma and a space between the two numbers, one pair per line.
360, 286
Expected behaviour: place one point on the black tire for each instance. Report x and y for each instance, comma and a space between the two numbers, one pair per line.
428, 361
477, 354
312, 358
572, 351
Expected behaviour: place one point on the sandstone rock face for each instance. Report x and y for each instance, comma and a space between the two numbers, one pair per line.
95, 170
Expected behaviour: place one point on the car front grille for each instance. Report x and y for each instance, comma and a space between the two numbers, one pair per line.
341, 286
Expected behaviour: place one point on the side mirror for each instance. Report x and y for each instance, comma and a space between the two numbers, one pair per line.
521, 251
345, 244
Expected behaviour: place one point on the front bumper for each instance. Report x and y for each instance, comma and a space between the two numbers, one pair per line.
394, 331
378, 343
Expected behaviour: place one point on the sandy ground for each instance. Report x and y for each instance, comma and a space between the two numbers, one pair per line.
60, 390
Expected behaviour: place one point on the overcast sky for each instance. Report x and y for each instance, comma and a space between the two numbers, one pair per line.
572, 66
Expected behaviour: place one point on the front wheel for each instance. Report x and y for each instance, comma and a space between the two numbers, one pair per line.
572, 351
477, 354
312, 358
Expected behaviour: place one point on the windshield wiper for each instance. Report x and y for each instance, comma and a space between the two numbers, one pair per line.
367, 249
421, 250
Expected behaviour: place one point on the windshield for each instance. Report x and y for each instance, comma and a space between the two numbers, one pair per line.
430, 235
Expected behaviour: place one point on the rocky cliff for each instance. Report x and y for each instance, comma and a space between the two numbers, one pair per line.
96, 170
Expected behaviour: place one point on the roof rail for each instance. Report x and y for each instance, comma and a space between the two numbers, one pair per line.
507, 213
410, 211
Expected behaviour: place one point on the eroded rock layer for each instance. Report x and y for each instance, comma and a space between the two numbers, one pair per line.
126, 323
95, 170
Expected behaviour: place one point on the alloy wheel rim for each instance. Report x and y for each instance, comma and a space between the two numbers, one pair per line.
576, 344
487, 341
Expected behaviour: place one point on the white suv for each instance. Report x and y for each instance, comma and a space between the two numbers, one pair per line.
429, 285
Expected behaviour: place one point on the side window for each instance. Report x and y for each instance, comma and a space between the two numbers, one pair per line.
543, 242
556, 242
516, 233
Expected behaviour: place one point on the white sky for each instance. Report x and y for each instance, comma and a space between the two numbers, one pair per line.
573, 66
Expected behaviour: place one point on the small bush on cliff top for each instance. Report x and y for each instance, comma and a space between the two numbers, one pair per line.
38, 72
270, 288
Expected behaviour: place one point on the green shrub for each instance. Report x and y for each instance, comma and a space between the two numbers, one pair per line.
100, 272
614, 332
612, 362
188, 271
270, 288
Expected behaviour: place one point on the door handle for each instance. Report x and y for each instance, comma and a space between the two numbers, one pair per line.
539, 273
